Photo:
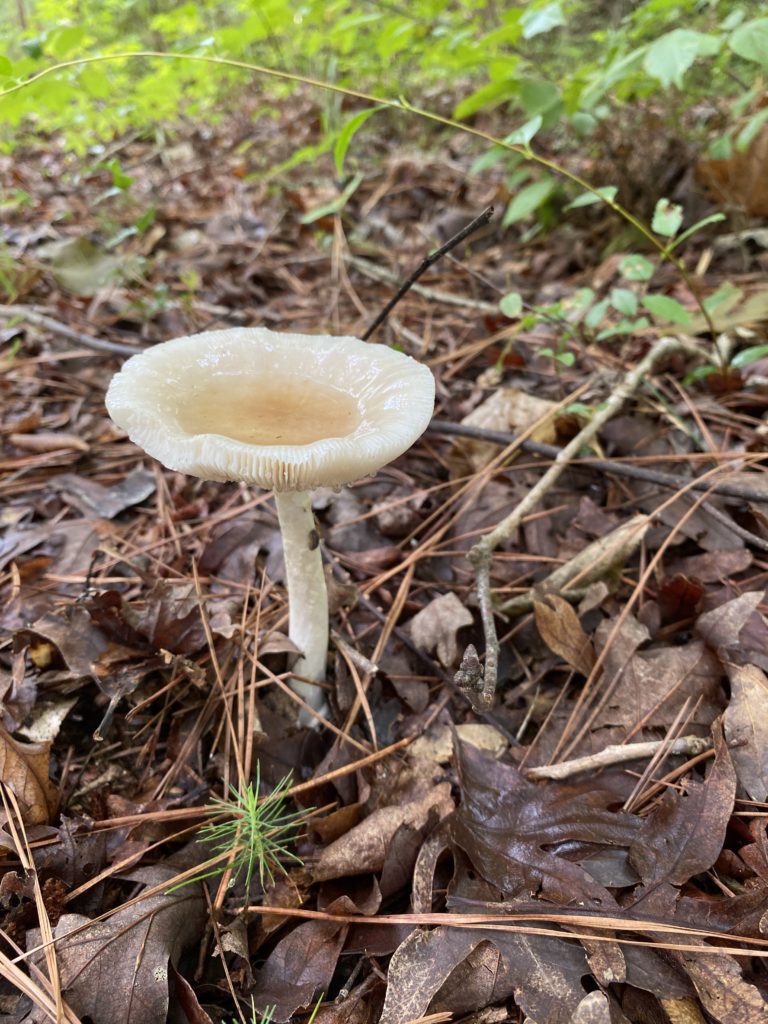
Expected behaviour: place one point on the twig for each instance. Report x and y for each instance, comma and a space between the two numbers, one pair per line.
481, 691
618, 754
425, 264
378, 273
598, 560
32, 316
551, 451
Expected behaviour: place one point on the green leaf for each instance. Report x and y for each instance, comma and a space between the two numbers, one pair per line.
577, 303
667, 218
64, 41
512, 305
750, 41
624, 301
671, 55
665, 308
537, 95
485, 98
522, 136
596, 314
724, 299
347, 133
566, 358
334, 206
6, 68
535, 22
119, 178
624, 327
713, 218
600, 195
747, 134
749, 355
636, 268
527, 200
34, 47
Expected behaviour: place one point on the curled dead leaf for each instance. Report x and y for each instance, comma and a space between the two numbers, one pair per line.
746, 728
24, 770
434, 628
561, 631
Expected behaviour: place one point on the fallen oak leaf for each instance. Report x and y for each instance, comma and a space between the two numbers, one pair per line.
560, 629
116, 971
434, 628
24, 770
684, 834
542, 972
364, 847
746, 728
302, 964
722, 988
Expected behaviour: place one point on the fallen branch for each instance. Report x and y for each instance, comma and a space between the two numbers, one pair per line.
691, 746
601, 559
741, 490
425, 264
481, 689
33, 316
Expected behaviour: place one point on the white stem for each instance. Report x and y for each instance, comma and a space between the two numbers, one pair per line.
307, 595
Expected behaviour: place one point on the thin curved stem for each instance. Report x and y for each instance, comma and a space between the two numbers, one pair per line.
307, 593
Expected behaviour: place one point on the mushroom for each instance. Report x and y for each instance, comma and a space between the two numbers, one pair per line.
288, 412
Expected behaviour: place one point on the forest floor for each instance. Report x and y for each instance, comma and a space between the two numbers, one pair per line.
446, 870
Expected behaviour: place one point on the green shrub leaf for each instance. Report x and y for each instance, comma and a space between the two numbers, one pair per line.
667, 218
671, 55
636, 268
750, 41
512, 305
665, 308
536, 22
346, 135
527, 200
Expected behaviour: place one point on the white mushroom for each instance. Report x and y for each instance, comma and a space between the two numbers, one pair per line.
288, 412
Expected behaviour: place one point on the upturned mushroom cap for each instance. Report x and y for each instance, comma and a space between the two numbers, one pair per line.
284, 411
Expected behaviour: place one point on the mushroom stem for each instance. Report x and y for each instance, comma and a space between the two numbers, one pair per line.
307, 595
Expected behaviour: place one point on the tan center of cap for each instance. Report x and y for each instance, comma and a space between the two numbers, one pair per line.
267, 411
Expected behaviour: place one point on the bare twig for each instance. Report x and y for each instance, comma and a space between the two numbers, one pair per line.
377, 273
741, 491
481, 692
39, 319
598, 560
619, 754
425, 264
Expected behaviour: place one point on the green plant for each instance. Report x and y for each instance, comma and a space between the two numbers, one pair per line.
256, 832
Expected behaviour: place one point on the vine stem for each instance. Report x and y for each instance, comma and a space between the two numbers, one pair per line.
400, 104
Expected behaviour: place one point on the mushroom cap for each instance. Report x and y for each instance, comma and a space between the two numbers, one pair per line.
284, 411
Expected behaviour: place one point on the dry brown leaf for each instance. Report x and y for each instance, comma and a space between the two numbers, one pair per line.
364, 847
436, 744
595, 1009
117, 971
746, 728
740, 180
723, 990
434, 628
507, 409
682, 1011
561, 631
24, 770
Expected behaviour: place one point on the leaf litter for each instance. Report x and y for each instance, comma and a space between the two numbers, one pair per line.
148, 610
